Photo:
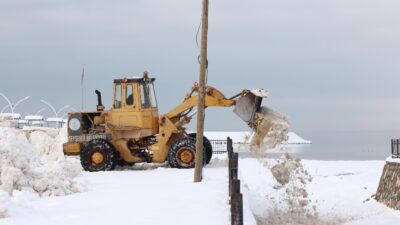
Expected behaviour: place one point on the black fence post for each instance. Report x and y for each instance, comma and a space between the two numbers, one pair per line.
235, 187
236, 209
229, 147
236, 198
392, 147
395, 148
234, 166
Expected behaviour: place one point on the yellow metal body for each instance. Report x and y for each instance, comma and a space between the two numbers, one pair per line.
130, 120
72, 148
171, 124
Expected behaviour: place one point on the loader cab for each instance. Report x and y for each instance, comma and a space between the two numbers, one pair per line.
135, 105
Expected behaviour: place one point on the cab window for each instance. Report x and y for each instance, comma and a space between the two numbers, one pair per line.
118, 96
148, 99
129, 94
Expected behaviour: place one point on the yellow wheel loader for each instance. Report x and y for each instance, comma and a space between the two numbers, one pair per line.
132, 130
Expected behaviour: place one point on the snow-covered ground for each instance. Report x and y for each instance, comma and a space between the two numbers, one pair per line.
133, 196
318, 192
245, 136
340, 192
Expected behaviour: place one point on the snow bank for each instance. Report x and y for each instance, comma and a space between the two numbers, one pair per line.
33, 162
236, 136
296, 139
392, 160
7, 121
292, 205
245, 136
340, 192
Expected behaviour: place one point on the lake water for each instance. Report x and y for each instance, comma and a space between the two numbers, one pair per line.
340, 145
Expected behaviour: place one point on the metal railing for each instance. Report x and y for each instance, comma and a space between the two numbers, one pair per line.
396, 148
219, 146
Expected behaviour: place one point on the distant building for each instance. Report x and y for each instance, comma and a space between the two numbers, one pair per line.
55, 122
34, 120
11, 116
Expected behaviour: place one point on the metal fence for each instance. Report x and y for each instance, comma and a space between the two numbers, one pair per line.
219, 146
395, 148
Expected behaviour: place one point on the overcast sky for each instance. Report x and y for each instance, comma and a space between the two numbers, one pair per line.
328, 65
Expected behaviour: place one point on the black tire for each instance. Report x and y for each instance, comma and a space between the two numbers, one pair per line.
207, 146
182, 153
101, 150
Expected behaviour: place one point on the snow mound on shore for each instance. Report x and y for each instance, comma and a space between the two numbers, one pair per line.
34, 162
278, 193
296, 139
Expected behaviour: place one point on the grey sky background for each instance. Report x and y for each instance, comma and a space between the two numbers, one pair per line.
328, 65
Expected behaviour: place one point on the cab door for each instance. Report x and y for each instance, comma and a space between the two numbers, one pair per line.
148, 107
125, 105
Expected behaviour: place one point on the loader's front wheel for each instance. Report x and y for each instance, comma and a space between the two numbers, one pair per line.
98, 155
207, 146
182, 153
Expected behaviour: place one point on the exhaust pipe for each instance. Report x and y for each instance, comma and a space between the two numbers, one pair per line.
100, 106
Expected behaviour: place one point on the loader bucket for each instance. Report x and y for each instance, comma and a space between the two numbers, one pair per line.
248, 104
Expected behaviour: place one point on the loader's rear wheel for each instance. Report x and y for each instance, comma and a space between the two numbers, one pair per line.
182, 153
98, 155
207, 146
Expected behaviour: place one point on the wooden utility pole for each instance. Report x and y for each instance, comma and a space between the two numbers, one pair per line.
201, 92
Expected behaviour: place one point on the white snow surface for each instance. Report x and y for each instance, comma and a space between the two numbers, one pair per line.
10, 115
32, 165
139, 195
393, 160
340, 191
35, 171
245, 136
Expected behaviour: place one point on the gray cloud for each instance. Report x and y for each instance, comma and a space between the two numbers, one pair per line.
327, 64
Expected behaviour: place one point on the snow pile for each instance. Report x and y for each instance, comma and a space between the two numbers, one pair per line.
36, 165
4, 197
278, 192
296, 139
393, 159
49, 143
7, 121
271, 128
293, 205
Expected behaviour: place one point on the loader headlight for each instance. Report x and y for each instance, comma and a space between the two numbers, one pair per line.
74, 124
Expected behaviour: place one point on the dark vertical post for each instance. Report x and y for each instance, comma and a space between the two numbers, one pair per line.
229, 147
235, 187
391, 142
237, 209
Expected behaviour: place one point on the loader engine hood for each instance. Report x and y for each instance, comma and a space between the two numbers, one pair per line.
248, 104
